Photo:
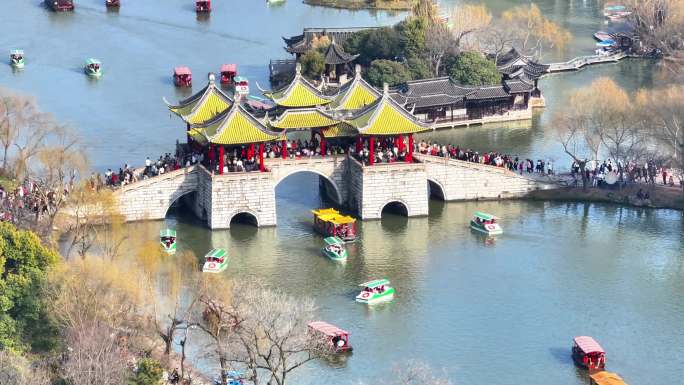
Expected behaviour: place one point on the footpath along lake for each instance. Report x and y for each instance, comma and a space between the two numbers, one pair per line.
489, 313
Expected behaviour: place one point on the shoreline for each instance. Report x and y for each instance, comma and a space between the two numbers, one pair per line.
661, 197
381, 5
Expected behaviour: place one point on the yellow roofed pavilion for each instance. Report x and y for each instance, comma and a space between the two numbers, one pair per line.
386, 117
303, 118
298, 94
234, 127
355, 94
204, 105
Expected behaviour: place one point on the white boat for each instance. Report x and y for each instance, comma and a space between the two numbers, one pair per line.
215, 261
485, 223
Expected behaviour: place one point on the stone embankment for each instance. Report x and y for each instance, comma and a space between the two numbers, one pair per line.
660, 197
395, 5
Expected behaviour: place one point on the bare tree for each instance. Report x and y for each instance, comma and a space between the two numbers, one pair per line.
419, 373
15, 111
438, 42
17, 370
273, 338
94, 356
530, 30
467, 22
660, 24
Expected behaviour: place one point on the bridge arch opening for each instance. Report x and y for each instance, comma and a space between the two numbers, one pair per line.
394, 208
183, 204
244, 218
329, 190
435, 190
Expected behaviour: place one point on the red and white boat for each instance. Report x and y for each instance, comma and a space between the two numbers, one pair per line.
60, 5
203, 6
112, 3
182, 77
588, 354
228, 73
336, 338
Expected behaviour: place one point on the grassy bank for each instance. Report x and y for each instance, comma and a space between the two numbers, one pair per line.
396, 5
659, 196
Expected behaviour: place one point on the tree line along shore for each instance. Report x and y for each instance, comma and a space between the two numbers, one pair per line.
393, 5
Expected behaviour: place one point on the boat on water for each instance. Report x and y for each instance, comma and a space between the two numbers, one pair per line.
375, 291
113, 3
60, 5
330, 223
228, 73
17, 58
182, 77
274, 1
233, 377
587, 353
485, 223
336, 338
606, 378
167, 238
93, 68
203, 6
615, 11
241, 85
334, 249
215, 261
602, 35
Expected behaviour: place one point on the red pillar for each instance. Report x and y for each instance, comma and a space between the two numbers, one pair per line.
250, 152
401, 143
409, 155
322, 146
262, 168
220, 160
284, 149
371, 151
359, 144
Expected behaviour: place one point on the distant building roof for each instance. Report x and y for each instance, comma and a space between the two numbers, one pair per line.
335, 54
301, 43
515, 65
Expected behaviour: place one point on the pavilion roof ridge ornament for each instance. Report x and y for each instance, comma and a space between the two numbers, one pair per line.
212, 78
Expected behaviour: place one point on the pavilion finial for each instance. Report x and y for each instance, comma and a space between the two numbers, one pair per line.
298, 68
357, 70
212, 78
385, 89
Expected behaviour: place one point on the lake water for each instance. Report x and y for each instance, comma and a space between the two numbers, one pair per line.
501, 312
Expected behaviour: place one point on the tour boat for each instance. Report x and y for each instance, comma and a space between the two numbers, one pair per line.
602, 35
93, 68
375, 291
60, 5
203, 5
215, 261
182, 77
330, 223
336, 338
275, 1
167, 238
233, 377
606, 43
588, 354
228, 73
486, 223
112, 3
334, 249
241, 85
17, 58
605, 378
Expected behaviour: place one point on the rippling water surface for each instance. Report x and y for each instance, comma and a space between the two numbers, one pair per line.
501, 312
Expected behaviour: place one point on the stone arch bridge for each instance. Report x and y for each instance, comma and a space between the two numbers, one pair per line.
365, 190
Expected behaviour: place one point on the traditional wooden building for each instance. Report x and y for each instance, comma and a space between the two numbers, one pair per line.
443, 101
299, 44
514, 65
233, 129
337, 64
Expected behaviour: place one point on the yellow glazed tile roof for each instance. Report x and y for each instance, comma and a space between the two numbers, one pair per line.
299, 93
355, 94
339, 130
236, 127
386, 117
303, 118
203, 106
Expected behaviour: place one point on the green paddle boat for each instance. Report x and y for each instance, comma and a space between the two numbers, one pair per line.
215, 261
93, 68
334, 249
485, 223
17, 58
375, 291
167, 237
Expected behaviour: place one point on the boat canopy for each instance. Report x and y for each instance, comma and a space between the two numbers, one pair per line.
327, 329
375, 283
333, 216
615, 8
216, 253
167, 233
229, 68
484, 216
182, 71
606, 378
17, 52
588, 345
333, 241
606, 43
92, 61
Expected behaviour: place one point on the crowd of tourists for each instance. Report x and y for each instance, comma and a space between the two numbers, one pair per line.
27, 199
649, 172
492, 158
